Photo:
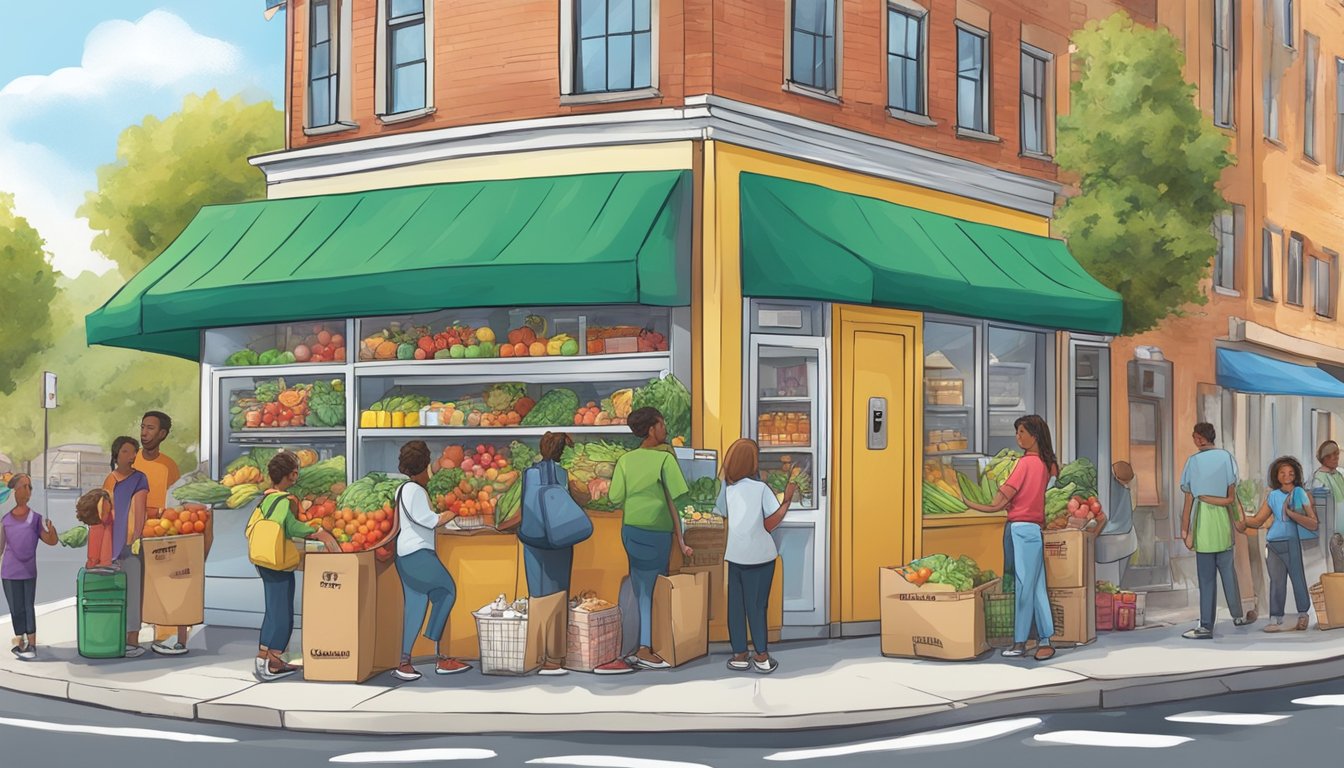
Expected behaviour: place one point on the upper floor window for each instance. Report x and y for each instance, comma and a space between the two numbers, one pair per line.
972, 80
407, 68
1287, 21
1339, 116
323, 64
1309, 98
1294, 268
1036, 121
1272, 86
1323, 283
613, 46
1228, 230
906, 59
1224, 61
812, 44
1267, 264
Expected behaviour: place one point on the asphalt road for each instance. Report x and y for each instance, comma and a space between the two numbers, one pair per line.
1302, 725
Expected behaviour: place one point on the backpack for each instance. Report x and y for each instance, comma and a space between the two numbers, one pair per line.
551, 517
267, 544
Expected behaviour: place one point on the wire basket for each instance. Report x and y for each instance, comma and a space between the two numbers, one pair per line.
471, 522
999, 616
503, 645
708, 542
593, 639
1317, 591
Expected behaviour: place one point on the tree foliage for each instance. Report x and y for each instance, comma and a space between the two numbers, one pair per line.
27, 289
167, 169
1148, 162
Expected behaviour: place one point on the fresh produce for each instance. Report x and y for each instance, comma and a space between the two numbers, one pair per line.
555, 409
1083, 474
444, 482
1106, 587
673, 400
509, 504
242, 475
521, 456
691, 515
945, 478
703, 496
242, 494
373, 491
243, 357
778, 479
326, 404
471, 487
320, 346
355, 530
1057, 502
619, 405
594, 415
199, 488
324, 477
502, 397
179, 521
400, 403
75, 537
276, 404
940, 502
588, 463
960, 573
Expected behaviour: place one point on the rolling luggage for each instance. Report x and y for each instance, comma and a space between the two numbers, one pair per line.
100, 595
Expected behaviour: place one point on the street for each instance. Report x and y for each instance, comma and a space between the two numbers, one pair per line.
1240, 729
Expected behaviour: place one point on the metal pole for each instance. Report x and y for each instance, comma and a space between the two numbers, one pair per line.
46, 476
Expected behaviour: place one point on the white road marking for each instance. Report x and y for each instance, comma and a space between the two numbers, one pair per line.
125, 733
414, 756
609, 761
1109, 739
1334, 700
1225, 718
942, 738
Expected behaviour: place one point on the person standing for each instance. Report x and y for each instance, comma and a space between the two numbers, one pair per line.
1330, 478
644, 485
753, 513
424, 580
1023, 495
129, 489
1294, 520
161, 473
1209, 482
20, 531
1117, 541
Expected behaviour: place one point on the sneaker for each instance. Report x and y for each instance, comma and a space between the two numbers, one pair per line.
267, 670
739, 665
173, 648
617, 667
1275, 626
653, 661
27, 653
406, 673
1302, 623
553, 670
134, 652
765, 667
450, 667
1242, 621
1014, 653
1198, 633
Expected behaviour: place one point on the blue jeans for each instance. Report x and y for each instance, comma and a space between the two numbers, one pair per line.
1220, 565
748, 600
1285, 562
277, 625
1024, 547
21, 595
648, 553
547, 570
424, 580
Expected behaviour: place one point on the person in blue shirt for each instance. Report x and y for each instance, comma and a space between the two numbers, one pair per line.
1207, 520
1294, 519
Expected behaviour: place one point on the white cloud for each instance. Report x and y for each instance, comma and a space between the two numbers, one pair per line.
47, 191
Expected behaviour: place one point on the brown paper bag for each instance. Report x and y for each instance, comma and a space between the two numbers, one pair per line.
174, 592
547, 628
681, 617
339, 617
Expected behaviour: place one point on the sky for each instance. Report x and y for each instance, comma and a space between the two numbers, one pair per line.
73, 75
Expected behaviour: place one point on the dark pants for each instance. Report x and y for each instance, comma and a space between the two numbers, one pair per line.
1285, 562
748, 599
21, 594
648, 553
547, 570
277, 625
1211, 566
424, 580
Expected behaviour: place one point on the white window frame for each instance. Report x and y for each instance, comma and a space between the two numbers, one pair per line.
1295, 251
1224, 62
804, 89
1047, 86
569, 60
382, 58
985, 131
921, 16
1328, 263
341, 39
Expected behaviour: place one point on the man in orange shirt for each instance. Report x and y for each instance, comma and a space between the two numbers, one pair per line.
162, 473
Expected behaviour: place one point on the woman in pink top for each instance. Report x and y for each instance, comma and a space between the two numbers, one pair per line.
1023, 546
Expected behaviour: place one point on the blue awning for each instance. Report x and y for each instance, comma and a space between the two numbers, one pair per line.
1261, 375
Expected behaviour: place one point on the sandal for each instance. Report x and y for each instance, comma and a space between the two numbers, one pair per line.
1301, 624
1045, 653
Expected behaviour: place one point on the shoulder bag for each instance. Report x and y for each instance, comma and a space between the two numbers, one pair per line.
267, 544
554, 520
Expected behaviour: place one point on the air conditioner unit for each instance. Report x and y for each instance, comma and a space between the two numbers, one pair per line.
1150, 378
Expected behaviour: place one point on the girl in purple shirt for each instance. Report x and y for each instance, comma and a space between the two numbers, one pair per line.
20, 530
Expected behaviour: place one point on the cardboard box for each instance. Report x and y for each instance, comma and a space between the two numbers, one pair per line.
681, 617
174, 592
933, 621
1075, 614
352, 613
1070, 559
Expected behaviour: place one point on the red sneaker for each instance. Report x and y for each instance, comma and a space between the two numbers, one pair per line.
450, 667
617, 667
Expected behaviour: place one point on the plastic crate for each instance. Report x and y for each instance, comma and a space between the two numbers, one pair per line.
503, 645
593, 639
1000, 613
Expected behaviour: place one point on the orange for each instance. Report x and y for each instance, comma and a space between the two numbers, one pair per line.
506, 350
350, 529
537, 349
520, 350
170, 515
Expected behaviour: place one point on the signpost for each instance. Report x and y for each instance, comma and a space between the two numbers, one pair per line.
48, 403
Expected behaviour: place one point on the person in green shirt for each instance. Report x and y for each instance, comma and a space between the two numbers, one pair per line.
1330, 478
645, 482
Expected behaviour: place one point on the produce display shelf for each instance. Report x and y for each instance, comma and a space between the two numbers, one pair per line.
495, 367
785, 448
435, 432
958, 452
264, 436
785, 400
965, 518
948, 408
325, 370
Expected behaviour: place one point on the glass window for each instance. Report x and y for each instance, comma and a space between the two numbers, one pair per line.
950, 360
614, 45
1309, 99
1272, 85
1339, 116
1227, 231
1016, 383
323, 75
1288, 35
407, 64
813, 44
1323, 284
972, 89
1294, 279
1224, 61
1267, 264
1034, 95
905, 61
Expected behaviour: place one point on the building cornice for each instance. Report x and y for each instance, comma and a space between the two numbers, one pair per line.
1249, 332
702, 118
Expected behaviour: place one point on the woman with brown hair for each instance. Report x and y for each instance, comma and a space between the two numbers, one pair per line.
94, 509
129, 489
753, 512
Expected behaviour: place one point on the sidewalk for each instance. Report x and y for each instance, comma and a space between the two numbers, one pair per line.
819, 684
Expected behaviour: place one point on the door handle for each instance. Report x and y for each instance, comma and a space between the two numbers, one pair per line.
877, 423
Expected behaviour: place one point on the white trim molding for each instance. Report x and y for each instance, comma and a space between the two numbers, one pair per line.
1243, 330
702, 118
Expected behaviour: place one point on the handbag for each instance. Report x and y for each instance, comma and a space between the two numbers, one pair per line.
552, 519
267, 545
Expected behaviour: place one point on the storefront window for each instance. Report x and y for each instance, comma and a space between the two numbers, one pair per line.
323, 341
1016, 384
258, 415
950, 359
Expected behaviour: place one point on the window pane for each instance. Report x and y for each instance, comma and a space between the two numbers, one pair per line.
912, 89
321, 23
642, 15
802, 58
400, 8
912, 35
968, 104
1266, 264
320, 64
809, 15
408, 44
408, 88
1031, 125
897, 32
827, 81
319, 103
592, 17
620, 61
593, 65
643, 60
968, 54
620, 15
1028, 74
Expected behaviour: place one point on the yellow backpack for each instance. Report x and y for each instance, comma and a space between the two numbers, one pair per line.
267, 544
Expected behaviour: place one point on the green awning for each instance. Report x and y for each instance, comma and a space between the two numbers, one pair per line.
802, 241
612, 238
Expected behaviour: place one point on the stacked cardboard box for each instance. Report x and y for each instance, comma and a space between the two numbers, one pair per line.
1071, 581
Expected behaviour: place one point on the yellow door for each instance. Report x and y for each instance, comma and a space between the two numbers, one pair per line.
876, 524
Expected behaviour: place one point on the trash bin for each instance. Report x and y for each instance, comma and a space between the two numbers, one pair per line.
101, 615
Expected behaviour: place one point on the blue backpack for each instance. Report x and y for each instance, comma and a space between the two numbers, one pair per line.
551, 517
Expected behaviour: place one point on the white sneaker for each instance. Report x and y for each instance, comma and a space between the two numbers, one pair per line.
26, 653
134, 652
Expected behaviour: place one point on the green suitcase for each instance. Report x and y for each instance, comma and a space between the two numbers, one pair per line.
101, 600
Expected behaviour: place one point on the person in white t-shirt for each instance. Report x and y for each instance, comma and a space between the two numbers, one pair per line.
753, 511
424, 580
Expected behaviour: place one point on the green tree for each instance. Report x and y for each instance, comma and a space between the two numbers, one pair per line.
27, 290
1147, 161
167, 169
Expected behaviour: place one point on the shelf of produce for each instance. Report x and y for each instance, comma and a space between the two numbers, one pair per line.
325, 370
965, 518
285, 434
784, 400
785, 448
534, 369
948, 408
492, 432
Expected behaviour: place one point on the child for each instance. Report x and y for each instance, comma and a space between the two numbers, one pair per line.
20, 530
94, 509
